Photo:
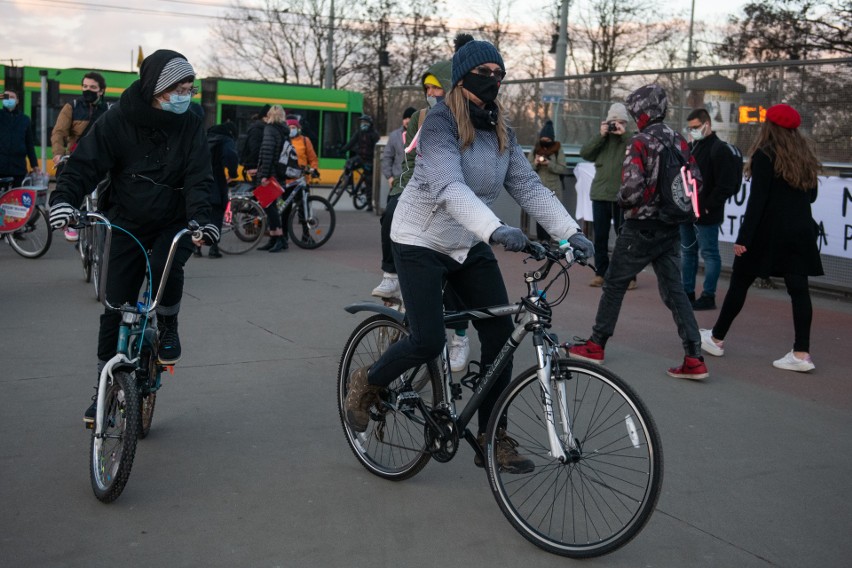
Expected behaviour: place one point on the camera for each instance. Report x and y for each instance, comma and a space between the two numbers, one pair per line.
612, 126
5, 96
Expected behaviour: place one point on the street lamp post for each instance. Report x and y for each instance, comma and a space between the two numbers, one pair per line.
329, 55
561, 56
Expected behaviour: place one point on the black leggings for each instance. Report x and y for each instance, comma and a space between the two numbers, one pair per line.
797, 288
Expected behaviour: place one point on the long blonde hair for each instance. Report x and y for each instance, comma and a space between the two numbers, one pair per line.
275, 115
792, 153
458, 105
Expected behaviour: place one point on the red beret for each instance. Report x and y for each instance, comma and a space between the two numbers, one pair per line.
784, 116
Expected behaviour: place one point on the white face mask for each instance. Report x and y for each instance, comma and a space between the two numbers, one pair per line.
294, 132
697, 133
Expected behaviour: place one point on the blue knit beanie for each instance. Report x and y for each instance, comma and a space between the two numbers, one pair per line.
471, 53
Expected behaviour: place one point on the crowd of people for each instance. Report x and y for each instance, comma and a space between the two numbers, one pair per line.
445, 165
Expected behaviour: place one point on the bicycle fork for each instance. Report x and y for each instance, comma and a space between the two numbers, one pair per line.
544, 357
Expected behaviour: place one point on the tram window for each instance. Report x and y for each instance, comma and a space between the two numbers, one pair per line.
334, 134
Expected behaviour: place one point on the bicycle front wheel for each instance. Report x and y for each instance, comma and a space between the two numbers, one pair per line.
311, 227
393, 446
243, 227
34, 238
605, 491
96, 253
111, 456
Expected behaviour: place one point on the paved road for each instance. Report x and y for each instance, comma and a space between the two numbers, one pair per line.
246, 464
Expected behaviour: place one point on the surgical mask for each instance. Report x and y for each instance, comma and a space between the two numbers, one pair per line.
483, 88
177, 104
697, 133
294, 132
10, 104
90, 97
432, 101
365, 127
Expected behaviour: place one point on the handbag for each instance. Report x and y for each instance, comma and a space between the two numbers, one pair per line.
267, 193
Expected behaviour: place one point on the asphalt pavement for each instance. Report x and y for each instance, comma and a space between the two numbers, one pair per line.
247, 464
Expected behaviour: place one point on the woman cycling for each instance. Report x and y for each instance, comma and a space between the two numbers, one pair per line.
443, 224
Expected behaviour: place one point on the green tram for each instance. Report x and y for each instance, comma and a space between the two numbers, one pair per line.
329, 116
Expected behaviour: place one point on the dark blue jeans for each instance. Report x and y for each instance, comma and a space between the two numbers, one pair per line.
604, 213
703, 239
639, 244
478, 283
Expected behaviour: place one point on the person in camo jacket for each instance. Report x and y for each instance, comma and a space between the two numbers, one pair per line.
645, 239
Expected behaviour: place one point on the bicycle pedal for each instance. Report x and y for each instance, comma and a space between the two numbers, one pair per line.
89, 423
169, 368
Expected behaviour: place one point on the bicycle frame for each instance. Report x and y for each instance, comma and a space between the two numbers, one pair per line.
532, 317
126, 356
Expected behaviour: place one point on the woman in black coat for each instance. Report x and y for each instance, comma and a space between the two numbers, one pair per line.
778, 235
275, 134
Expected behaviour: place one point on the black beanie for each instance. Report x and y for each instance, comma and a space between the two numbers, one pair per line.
471, 53
408, 112
151, 69
547, 131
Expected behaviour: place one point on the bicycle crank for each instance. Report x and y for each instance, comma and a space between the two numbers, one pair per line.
444, 443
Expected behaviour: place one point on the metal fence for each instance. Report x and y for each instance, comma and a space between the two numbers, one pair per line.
736, 96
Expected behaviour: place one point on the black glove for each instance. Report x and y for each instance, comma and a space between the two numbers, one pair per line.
60, 215
582, 246
511, 238
210, 234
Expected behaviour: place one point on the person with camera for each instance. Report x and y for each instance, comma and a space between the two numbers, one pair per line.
546, 160
16, 141
607, 150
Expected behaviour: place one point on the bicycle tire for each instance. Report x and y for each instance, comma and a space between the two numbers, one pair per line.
96, 256
360, 199
111, 457
147, 397
245, 228
393, 447
337, 191
34, 238
84, 247
317, 229
606, 491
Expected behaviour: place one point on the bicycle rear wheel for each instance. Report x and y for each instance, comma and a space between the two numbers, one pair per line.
393, 446
34, 238
314, 230
243, 227
360, 199
111, 456
147, 394
604, 493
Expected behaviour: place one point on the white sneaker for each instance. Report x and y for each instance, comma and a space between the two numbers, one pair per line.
714, 348
459, 352
71, 235
389, 287
792, 363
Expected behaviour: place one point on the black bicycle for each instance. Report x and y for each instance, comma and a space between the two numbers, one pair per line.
598, 462
359, 190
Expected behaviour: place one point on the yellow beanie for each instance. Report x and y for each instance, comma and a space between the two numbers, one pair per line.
432, 80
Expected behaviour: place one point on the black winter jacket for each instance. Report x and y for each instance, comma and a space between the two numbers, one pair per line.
274, 136
223, 154
250, 156
158, 162
721, 166
16, 143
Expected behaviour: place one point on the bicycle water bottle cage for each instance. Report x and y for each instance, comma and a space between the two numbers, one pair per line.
470, 379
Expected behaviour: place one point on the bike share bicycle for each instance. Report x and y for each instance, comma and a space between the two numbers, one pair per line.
597, 456
346, 184
130, 380
24, 220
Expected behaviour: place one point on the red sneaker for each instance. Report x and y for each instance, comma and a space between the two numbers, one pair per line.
589, 351
692, 368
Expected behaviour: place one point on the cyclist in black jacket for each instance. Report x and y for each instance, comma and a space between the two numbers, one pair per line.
157, 158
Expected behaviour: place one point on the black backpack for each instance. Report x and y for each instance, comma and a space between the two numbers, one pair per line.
675, 203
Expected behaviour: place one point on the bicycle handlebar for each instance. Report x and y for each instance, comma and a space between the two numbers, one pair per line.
80, 219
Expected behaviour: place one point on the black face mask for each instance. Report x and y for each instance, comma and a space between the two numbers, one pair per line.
89, 97
483, 88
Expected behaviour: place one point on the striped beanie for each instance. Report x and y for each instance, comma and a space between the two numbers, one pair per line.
162, 69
